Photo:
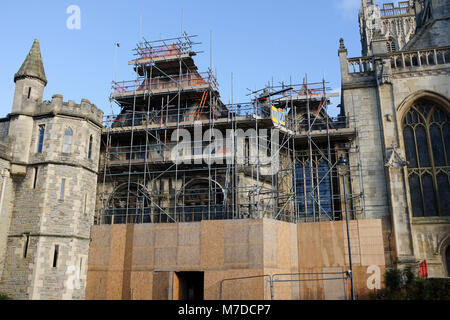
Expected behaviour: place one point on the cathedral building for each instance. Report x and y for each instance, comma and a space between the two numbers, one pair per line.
399, 93
183, 196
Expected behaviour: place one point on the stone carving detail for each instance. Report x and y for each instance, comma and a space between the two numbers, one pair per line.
394, 159
384, 71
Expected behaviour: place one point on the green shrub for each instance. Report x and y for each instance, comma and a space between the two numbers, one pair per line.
393, 280
4, 297
405, 285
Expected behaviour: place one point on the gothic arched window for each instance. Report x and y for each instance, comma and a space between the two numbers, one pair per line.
390, 44
426, 133
67, 141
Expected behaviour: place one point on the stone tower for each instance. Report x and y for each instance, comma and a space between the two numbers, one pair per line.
54, 161
433, 24
397, 24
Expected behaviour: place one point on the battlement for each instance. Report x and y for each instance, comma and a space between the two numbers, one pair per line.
84, 110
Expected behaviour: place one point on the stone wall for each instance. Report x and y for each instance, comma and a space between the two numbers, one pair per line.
6, 205
377, 96
52, 222
55, 128
41, 218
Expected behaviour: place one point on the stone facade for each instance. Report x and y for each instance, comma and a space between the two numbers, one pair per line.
378, 93
49, 165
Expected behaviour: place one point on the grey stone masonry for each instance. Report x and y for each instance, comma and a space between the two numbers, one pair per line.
49, 158
378, 90
32, 67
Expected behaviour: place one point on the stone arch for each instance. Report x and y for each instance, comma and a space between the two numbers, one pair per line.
197, 201
443, 250
128, 203
406, 104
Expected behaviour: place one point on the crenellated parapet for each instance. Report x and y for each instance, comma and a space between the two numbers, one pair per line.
83, 110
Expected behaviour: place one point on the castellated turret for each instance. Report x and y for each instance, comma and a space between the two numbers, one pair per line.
53, 164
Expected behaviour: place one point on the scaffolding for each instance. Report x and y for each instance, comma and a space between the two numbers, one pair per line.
151, 174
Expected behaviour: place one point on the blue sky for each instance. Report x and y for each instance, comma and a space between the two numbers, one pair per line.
257, 41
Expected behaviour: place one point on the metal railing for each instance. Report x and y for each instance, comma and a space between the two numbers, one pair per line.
318, 276
160, 48
157, 152
166, 83
269, 285
243, 111
156, 214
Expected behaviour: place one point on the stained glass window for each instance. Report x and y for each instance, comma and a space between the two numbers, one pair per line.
426, 131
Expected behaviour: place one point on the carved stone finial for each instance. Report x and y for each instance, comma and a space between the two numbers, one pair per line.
342, 47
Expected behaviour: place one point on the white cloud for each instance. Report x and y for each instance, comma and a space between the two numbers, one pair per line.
348, 8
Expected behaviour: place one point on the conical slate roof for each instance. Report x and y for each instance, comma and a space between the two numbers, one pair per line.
32, 66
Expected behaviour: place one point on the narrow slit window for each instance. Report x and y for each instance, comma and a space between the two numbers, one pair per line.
85, 203
36, 171
90, 148
61, 193
55, 256
41, 138
81, 265
29, 92
27, 241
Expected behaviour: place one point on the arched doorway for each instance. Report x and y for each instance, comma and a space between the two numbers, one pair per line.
201, 199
